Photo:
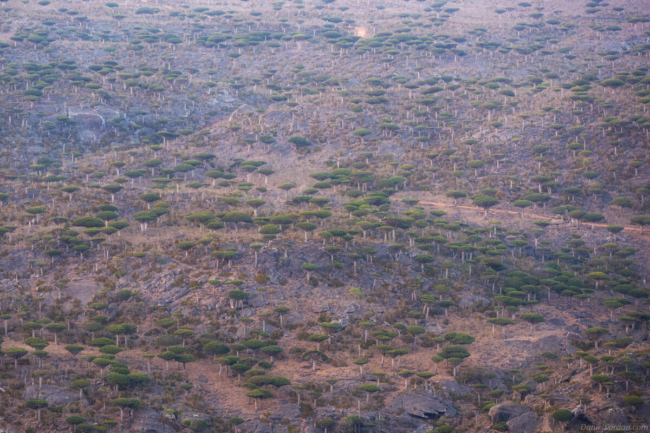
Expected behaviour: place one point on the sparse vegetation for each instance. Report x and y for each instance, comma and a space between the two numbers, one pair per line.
281, 216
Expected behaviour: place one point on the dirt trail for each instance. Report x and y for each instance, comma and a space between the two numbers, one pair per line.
637, 231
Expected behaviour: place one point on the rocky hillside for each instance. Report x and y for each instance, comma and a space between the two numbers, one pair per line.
324, 216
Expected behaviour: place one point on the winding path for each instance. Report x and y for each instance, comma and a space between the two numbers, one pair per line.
554, 221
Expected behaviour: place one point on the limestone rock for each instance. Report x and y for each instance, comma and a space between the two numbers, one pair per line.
614, 416
644, 411
289, 410
424, 405
526, 423
452, 387
262, 428
54, 395
350, 308
434, 328
470, 301
320, 307
506, 412
147, 420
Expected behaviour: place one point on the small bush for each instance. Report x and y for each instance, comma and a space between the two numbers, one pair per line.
562, 415
335, 282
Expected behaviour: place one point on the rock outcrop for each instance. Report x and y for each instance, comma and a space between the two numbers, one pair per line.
148, 421
424, 405
53, 395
